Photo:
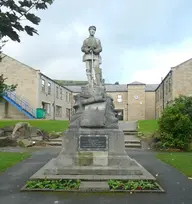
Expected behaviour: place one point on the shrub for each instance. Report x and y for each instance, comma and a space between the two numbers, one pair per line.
175, 124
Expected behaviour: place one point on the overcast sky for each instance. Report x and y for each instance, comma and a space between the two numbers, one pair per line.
141, 39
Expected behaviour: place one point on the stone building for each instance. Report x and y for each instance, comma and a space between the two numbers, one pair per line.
34, 90
133, 101
177, 82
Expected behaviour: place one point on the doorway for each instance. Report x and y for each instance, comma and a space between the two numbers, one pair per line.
119, 114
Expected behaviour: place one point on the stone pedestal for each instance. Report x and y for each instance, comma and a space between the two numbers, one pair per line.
98, 153
93, 151
93, 147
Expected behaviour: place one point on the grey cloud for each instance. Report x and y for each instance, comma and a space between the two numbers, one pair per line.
122, 25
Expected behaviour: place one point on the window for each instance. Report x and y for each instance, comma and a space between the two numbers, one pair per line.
167, 87
161, 92
58, 111
170, 84
43, 85
70, 95
49, 88
68, 113
47, 107
66, 99
57, 92
119, 98
61, 93
157, 95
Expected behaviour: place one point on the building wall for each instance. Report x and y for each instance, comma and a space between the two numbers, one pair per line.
164, 94
136, 102
8, 111
120, 102
146, 110
51, 93
182, 79
2, 108
177, 82
26, 78
149, 105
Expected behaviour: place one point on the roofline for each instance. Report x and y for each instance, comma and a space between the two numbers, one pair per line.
171, 71
181, 63
5, 55
150, 90
55, 82
135, 84
116, 91
163, 79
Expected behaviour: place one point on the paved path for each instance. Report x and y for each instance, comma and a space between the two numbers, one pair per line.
178, 187
128, 125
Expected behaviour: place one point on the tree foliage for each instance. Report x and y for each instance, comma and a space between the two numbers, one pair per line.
12, 16
4, 87
175, 124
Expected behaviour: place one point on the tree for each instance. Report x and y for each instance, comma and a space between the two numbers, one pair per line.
175, 124
116, 83
13, 12
4, 87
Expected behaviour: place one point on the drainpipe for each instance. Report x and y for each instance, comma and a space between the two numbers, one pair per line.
155, 105
54, 103
163, 94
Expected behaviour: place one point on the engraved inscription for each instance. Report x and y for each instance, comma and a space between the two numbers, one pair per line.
93, 143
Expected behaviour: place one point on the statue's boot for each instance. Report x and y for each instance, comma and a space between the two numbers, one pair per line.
89, 80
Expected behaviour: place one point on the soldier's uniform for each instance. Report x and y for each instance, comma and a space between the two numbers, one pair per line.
95, 44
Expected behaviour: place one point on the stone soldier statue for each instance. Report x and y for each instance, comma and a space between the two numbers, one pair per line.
92, 48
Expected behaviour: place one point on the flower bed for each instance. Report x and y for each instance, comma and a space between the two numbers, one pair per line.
133, 185
67, 185
46, 184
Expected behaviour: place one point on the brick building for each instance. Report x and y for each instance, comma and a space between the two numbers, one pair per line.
133, 101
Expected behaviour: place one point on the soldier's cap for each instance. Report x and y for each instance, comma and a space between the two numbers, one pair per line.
92, 27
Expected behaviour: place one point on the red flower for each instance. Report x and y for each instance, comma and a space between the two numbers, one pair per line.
139, 188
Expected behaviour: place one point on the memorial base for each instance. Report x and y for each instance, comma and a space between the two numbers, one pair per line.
94, 154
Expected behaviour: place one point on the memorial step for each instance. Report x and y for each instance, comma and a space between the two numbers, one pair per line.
133, 141
55, 140
54, 143
126, 132
133, 145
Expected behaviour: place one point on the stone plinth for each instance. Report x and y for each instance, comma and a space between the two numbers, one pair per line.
93, 152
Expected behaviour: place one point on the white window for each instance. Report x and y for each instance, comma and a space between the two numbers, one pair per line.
49, 88
43, 85
119, 98
61, 93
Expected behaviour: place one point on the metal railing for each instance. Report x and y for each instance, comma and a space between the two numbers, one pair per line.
24, 104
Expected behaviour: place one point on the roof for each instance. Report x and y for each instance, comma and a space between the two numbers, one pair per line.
55, 82
115, 88
3, 55
172, 68
182, 63
136, 83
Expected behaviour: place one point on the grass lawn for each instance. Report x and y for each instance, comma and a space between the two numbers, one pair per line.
8, 159
147, 126
46, 125
180, 160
